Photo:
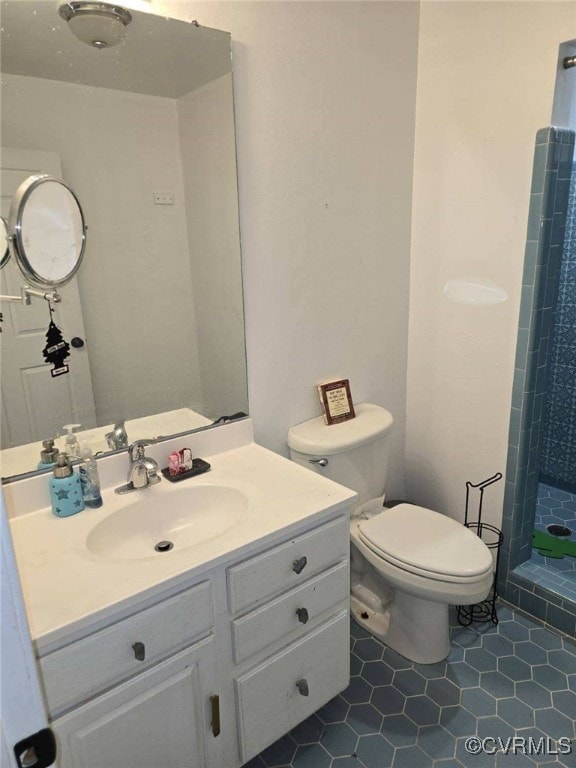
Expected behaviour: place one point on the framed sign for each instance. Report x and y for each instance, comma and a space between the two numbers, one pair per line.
336, 401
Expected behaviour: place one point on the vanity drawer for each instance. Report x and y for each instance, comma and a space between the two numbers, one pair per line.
289, 613
82, 669
270, 701
287, 565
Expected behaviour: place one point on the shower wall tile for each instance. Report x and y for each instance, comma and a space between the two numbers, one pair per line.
538, 342
558, 453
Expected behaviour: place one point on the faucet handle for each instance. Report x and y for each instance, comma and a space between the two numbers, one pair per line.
136, 449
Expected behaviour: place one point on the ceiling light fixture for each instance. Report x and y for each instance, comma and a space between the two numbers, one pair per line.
97, 24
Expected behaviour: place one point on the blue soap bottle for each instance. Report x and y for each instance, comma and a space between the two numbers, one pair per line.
65, 488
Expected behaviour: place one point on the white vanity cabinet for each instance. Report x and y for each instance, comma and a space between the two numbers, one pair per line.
131, 698
214, 673
290, 632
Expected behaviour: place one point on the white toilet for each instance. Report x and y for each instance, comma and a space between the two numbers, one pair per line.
408, 563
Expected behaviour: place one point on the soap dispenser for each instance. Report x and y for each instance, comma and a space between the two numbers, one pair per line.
48, 455
65, 488
72, 445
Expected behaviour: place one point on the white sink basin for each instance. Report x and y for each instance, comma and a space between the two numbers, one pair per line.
183, 518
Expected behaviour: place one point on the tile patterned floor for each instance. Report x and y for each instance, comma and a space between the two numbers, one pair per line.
513, 679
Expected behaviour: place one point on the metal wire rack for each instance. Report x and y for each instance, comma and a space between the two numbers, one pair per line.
493, 538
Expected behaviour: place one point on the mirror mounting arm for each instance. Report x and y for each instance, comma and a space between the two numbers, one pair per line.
26, 293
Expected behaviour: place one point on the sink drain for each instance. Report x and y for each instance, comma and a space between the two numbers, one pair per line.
558, 530
164, 546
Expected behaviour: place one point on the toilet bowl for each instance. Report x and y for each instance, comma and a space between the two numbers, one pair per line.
408, 563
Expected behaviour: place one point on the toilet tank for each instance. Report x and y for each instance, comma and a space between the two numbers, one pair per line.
356, 451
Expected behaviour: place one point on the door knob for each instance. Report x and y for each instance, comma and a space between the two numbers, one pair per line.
302, 686
302, 614
139, 651
299, 565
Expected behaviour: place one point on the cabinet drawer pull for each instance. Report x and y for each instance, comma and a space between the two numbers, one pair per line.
302, 614
299, 565
215, 721
302, 686
139, 651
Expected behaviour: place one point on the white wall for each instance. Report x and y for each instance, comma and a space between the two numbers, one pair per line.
134, 248
208, 151
485, 85
324, 101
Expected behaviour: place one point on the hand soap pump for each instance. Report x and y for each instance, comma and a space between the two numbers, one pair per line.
65, 488
47, 455
72, 445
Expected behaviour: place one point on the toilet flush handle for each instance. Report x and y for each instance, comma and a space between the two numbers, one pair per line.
321, 462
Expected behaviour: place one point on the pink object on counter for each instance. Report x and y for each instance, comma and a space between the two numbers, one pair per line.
174, 463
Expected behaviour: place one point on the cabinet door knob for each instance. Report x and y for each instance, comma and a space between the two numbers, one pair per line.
299, 565
139, 651
302, 686
302, 614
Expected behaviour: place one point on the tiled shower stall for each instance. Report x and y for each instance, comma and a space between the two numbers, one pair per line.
542, 434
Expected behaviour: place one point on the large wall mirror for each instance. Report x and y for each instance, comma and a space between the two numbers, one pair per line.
143, 132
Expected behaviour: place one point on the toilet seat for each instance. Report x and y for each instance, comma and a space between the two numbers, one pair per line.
426, 543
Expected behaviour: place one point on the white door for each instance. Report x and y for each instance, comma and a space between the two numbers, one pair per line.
35, 405
22, 713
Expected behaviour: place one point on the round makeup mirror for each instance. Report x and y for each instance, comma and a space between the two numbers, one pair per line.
4, 250
47, 231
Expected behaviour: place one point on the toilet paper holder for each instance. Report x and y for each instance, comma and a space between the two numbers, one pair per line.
493, 538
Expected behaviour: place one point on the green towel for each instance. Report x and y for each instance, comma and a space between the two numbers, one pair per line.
552, 546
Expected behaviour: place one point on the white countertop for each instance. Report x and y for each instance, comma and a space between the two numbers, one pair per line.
68, 589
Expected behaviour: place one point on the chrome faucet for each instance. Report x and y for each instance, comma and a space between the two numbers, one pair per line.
143, 470
118, 437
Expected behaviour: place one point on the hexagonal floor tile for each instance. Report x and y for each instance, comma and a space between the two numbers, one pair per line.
374, 751
396, 714
364, 719
311, 756
549, 677
516, 669
497, 684
533, 694
409, 757
308, 731
399, 730
409, 682
377, 673
515, 712
422, 710
339, 739
443, 692
368, 649
480, 659
554, 723
388, 700
358, 692
458, 721
279, 753
436, 741
479, 702
334, 711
